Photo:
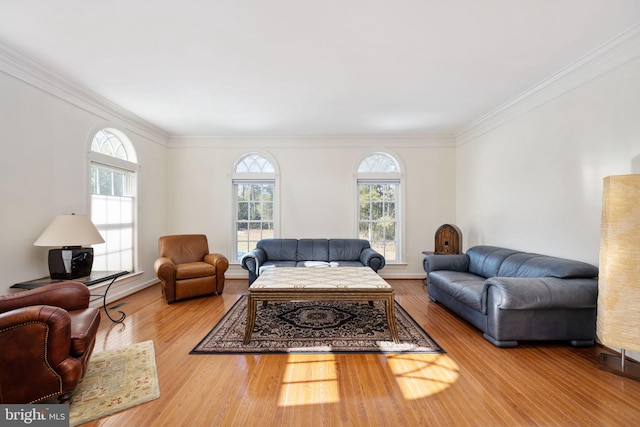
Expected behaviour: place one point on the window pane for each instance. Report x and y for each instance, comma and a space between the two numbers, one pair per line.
378, 162
254, 163
243, 211
113, 217
377, 206
105, 142
254, 217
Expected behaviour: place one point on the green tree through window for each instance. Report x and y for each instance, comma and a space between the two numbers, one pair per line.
378, 202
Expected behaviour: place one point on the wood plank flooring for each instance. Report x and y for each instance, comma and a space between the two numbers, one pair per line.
473, 384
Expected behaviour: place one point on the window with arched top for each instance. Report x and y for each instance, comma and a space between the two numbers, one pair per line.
378, 180
113, 189
254, 183
108, 144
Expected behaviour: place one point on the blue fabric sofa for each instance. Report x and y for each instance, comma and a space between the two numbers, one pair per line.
511, 295
310, 253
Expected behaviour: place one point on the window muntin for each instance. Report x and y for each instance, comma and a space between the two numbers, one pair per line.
379, 186
254, 192
107, 143
113, 201
254, 163
378, 163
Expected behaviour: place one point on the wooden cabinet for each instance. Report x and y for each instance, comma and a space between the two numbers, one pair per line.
448, 240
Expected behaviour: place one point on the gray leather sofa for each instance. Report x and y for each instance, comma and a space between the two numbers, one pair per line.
310, 253
511, 295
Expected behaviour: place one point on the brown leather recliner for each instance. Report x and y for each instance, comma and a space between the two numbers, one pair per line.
47, 336
186, 269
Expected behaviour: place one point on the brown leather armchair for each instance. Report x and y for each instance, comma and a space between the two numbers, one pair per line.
47, 336
186, 269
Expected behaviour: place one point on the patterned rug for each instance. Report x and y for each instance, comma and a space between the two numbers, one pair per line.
316, 327
115, 380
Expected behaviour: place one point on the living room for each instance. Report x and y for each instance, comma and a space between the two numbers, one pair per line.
525, 173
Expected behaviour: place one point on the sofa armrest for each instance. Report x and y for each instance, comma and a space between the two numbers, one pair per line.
371, 258
68, 295
454, 262
253, 259
519, 293
219, 261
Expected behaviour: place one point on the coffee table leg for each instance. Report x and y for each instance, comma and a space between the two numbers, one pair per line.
391, 318
252, 304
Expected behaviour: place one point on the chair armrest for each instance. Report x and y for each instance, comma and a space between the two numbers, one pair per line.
371, 258
68, 295
165, 268
513, 293
219, 261
453, 262
19, 333
36, 344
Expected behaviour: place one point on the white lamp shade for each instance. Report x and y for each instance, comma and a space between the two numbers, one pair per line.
70, 230
618, 322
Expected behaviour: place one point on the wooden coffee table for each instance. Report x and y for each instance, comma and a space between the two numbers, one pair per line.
320, 284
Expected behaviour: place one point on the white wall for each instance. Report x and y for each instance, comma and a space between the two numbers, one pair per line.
317, 188
44, 172
535, 183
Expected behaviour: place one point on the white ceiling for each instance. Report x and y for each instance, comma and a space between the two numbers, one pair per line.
302, 67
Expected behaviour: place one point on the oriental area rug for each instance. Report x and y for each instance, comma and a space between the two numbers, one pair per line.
115, 380
316, 327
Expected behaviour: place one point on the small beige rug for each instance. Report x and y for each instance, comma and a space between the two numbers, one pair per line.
115, 380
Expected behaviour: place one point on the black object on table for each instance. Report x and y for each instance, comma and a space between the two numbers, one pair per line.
93, 279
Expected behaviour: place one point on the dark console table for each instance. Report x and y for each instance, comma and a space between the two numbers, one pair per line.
93, 279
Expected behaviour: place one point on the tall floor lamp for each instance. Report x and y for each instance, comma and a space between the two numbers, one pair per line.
618, 321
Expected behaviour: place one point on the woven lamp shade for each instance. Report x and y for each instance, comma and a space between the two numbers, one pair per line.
618, 321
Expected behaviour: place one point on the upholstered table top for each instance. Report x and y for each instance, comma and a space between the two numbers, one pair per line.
321, 278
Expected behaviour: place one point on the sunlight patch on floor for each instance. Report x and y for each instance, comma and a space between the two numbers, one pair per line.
308, 382
422, 375
315, 380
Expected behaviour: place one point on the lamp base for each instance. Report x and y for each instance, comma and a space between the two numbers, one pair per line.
70, 262
613, 363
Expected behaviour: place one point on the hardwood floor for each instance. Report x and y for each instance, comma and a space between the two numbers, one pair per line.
473, 384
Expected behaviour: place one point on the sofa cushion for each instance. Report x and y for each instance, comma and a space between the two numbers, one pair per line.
84, 327
271, 264
313, 250
485, 261
279, 249
464, 287
534, 265
346, 249
346, 264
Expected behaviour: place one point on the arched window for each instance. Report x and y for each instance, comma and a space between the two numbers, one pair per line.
254, 182
378, 181
113, 200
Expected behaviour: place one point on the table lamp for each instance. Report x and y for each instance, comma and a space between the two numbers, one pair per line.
70, 232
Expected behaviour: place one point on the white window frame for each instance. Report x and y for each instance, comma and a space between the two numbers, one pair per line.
130, 167
258, 178
387, 177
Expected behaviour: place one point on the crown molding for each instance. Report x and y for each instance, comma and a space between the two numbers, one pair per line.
618, 51
312, 141
46, 79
